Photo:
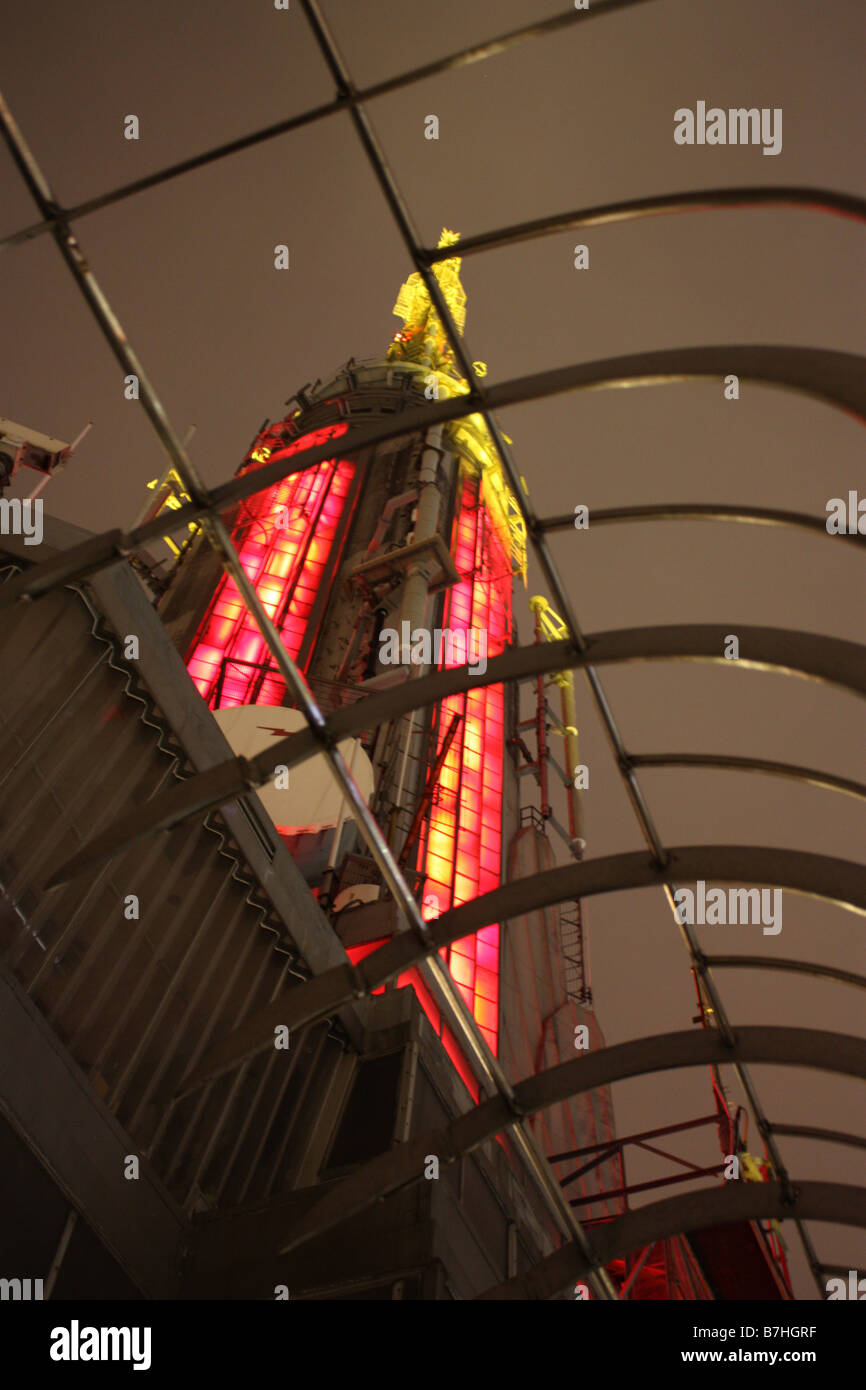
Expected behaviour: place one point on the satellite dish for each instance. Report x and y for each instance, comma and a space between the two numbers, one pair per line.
312, 801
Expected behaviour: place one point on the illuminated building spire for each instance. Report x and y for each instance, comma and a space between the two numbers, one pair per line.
422, 338
422, 342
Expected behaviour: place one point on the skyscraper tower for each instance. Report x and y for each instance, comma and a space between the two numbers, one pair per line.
376, 571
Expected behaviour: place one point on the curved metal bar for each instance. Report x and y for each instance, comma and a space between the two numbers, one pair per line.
803, 967
835, 378
707, 200
701, 511
823, 658
731, 762
690, 1211
815, 875
807, 654
400, 1166
841, 1053
828, 1136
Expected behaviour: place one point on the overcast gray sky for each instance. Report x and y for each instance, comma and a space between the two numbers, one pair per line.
581, 118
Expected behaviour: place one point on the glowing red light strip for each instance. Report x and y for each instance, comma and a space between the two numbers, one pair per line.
284, 538
463, 850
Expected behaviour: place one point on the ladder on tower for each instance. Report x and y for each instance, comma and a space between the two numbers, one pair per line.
574, 952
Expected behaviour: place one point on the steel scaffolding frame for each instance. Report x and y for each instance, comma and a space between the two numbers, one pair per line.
836, 378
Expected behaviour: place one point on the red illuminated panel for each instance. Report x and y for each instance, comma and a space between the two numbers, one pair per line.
463, 850
357, 953
283, 537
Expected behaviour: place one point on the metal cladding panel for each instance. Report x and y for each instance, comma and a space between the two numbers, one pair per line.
137, 965
540, 1022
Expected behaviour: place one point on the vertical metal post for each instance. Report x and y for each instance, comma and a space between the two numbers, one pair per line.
541, 728
60, 1252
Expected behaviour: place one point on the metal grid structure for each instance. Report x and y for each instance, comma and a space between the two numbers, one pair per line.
835, 378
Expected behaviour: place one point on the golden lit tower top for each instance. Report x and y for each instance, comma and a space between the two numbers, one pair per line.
422, 338
423, 343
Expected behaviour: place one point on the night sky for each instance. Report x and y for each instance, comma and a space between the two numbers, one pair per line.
577, 119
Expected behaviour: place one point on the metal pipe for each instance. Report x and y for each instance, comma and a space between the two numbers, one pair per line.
702, 511
572, 761
404, 760
633, 1138
815, 199
427, 794
60, 1252
341, 816
635, 1271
